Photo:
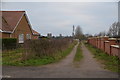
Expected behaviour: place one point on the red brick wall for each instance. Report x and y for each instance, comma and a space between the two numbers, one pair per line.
35, 36
100, 43
97, 43
22, 28
103, 43
107, 47
5, 35
114, 51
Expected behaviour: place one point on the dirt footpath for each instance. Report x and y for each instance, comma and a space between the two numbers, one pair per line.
88, 67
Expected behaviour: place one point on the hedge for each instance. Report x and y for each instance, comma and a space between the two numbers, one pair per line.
9, 43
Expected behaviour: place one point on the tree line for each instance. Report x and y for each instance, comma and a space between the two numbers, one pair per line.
114, 31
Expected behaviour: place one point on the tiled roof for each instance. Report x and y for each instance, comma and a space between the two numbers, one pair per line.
10, 19
35, 32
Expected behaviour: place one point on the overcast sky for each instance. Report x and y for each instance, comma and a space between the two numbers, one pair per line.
59, 17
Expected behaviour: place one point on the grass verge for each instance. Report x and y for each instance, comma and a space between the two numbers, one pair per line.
78, 55
110, 62
13, 58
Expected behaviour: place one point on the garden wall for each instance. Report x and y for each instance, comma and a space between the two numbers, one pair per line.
115, 50
106, 44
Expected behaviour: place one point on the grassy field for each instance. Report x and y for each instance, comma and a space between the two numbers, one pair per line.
78, 55
111, 62
14, 58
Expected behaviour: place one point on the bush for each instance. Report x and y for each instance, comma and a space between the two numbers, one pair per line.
44, 47
26, 57
9, 43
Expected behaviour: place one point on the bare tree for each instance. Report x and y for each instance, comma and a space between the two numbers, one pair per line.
78, 33
114, 30
118, 28
103, 33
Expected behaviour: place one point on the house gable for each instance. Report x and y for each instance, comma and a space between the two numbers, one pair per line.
12, 18
22, 28
15, 23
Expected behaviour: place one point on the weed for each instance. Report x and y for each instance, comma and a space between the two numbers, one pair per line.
32, 56
78, 55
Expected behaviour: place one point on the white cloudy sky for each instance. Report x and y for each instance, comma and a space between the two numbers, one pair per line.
59, 17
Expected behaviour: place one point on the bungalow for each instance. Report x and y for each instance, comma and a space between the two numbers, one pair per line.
36, 35
15, 24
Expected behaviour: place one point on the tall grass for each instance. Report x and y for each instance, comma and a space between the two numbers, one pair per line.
44, 47
36, 61
39, 52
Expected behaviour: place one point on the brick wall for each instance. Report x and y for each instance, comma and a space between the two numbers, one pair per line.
104, 43
5, 35
107, 47
22, 28
99, 42
114, 50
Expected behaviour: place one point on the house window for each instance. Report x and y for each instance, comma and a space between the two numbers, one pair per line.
28, 36
21, 38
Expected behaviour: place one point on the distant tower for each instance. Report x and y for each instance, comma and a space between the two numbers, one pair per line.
60, 35
49, 35
73, 31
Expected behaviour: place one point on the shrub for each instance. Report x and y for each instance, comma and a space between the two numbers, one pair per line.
44, 47
9, 43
